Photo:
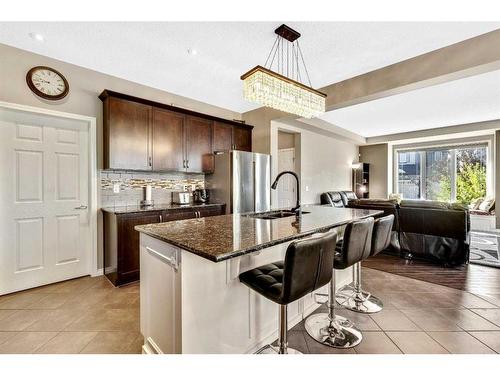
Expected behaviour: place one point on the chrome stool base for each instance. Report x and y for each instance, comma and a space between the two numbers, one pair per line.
271, 349
337, 333
361, 302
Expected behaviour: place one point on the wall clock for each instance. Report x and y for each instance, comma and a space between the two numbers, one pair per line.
47, 83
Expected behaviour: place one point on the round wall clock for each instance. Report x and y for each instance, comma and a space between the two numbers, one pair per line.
47, 83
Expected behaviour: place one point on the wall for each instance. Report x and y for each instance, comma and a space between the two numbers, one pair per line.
376, 155
85, 86
325, 161
286, 140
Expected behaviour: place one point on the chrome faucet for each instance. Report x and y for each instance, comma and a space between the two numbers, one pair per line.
296, 209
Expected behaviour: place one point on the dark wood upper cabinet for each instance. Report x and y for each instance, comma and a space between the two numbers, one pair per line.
127, 135
198, 133
143, 135
168, 139
222, 139
242, 138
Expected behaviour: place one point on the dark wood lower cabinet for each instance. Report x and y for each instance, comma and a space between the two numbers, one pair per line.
121, 240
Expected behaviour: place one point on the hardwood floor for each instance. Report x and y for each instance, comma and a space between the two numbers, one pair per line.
470, 278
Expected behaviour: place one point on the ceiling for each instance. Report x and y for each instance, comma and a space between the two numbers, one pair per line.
155, 54
463, 101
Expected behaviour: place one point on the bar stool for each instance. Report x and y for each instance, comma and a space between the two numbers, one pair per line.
354, 298
328, 328
307, 267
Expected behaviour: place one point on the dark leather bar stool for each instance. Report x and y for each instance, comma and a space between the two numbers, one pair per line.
307, 267
354, 298
328, 328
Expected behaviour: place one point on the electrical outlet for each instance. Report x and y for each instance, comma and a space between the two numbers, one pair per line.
116, 188
307, 188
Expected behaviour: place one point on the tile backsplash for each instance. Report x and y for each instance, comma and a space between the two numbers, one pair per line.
131, 186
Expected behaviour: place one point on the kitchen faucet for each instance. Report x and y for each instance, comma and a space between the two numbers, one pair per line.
296, 209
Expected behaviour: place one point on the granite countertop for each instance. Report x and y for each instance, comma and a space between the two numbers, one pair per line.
156, 207
218, 238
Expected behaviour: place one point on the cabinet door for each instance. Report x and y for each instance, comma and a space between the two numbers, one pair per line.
168, 152
242, 138
198, 132
127, 135
128, 244
211, 211
222, 137
179, 214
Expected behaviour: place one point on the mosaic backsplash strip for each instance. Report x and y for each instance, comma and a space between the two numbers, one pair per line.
131, 187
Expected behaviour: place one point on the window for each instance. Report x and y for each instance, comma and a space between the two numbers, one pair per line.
456, 173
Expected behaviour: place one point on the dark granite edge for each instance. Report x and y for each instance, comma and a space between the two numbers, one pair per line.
251, 249
137, 209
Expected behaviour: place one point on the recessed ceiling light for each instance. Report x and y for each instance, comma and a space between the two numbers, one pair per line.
36, 36
192, 51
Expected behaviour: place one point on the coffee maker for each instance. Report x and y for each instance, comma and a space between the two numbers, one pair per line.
201, 195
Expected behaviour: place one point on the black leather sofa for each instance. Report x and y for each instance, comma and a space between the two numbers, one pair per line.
432, 230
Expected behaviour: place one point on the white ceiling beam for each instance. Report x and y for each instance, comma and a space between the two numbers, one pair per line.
470, 57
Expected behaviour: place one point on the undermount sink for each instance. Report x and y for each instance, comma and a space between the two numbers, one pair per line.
270, 215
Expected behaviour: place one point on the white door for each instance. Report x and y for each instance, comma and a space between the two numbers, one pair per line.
44, 219
286, 186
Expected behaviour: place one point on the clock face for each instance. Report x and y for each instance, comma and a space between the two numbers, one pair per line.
47, 83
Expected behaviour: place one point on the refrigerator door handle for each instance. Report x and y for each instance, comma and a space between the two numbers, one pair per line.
254, 187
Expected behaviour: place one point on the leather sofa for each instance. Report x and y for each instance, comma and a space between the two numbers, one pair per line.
432, 230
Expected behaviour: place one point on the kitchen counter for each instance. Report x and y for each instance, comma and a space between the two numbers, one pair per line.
156, 207
223, 237
191, 298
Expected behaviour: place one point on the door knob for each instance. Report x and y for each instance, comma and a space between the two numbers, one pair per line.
81, 207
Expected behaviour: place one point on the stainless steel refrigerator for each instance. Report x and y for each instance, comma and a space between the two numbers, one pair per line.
242, 180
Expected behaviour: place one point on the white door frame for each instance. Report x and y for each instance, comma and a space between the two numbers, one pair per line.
92, 144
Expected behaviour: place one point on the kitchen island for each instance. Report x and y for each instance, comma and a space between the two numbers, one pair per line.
191, 298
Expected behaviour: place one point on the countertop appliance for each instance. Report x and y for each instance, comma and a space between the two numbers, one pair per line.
242, 180
180, 197
201, 195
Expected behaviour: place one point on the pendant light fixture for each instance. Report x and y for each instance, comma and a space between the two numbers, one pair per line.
279, 83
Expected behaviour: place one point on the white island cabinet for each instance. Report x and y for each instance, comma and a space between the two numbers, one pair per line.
191, 298
192, 305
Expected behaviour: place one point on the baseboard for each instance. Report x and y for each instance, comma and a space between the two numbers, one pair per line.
98, 272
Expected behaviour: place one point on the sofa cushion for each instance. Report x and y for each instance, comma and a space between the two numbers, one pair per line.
373, 202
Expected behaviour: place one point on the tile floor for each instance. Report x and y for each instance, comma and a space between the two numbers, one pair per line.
85, 315
89, 315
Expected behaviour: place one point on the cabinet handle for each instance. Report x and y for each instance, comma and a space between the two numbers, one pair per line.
187, 164
170, 261
150, 161
199, 214
161, 218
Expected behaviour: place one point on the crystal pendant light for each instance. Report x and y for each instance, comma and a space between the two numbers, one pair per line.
282, 88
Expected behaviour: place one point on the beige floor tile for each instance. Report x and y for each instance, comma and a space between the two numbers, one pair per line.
6, 313
394, 320
364, 322
470, 301
51, 301
467, 320
111, 342
376, 343
121, 300
416, 343
20, 300
107, 320
491, 338
493, 315
491, 298
402, 300
429, 320
88, 299
77, 285
4, 336
26, 342
54, 320
67, 343
460, 343
317, 348
130, 288
20, 320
